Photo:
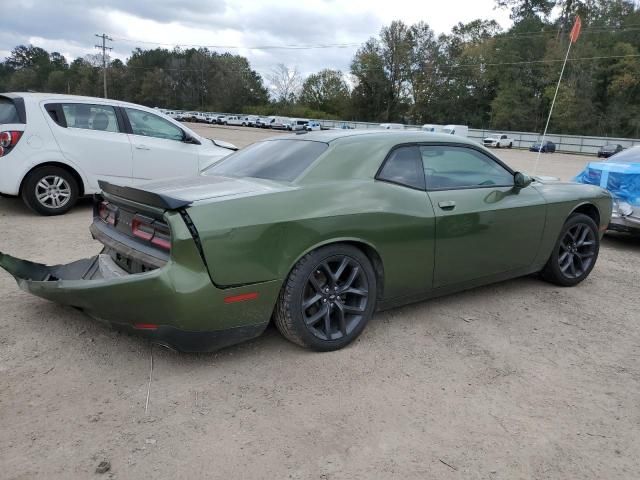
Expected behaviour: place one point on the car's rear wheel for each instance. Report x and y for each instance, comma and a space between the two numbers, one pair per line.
510, 144
328, 298
575, 252
498, 145
50, 190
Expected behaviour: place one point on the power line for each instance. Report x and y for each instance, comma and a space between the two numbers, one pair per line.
631, 27
104, 48
257, 47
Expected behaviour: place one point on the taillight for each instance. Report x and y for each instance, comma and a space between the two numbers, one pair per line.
151, 231
8, 140
107, 213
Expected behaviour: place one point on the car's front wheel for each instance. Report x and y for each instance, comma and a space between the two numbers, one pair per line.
510, 144
575, 252
50, 191
328, 298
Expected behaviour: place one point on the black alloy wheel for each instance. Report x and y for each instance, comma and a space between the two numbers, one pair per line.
335, 298
328, 299
575, 252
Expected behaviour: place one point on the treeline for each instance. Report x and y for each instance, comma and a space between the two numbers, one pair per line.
476, 75
186, 79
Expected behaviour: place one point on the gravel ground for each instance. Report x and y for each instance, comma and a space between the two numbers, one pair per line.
520, 379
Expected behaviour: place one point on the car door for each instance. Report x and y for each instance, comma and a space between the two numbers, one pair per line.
92, 137
484, 226
410, 236
159, 149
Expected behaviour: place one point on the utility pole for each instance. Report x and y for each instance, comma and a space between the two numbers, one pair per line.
104, 48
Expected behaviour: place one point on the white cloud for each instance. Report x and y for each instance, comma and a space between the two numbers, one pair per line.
243, 24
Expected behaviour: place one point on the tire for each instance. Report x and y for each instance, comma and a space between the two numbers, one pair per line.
322, 275
575, 252
510, 144
54, 186
498, 145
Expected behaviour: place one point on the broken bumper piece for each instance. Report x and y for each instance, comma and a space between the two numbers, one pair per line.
175, 305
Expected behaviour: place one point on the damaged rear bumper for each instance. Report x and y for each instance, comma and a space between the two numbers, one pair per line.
176, 305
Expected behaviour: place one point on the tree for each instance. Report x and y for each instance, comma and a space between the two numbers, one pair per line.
326, 91
368, 97
525, 8
285, 83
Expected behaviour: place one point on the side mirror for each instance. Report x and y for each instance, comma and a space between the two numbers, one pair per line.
521, 180
189, 139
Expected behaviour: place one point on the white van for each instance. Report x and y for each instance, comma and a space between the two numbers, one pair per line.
460, 130
279, 123
392, 126
296, 124
428, 127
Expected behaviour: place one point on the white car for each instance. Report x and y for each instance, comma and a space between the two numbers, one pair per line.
297, 124
460, 130
498, 140
392, 126
233, 120
59, 146
249, 120
313, 126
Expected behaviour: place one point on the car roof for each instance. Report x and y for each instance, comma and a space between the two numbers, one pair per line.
74, 98
392, 137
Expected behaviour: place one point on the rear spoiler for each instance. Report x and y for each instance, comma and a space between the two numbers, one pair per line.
142, 196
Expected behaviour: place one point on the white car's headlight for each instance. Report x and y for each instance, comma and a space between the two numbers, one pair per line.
621, 209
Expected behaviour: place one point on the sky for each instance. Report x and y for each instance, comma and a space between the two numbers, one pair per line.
69, 26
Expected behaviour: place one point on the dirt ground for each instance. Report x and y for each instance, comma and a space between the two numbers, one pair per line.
517, 380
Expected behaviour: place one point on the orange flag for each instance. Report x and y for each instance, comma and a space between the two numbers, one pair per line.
575, 31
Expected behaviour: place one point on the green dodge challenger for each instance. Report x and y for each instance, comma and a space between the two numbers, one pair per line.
317, 232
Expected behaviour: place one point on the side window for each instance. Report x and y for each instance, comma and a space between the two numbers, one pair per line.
150, 125
90, 117
404, 167
448, 167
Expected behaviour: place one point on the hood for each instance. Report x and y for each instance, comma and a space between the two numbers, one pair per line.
205, 187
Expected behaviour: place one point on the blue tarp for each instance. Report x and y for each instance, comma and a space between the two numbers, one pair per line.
621, 179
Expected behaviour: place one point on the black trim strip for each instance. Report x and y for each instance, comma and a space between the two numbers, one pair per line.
144, 197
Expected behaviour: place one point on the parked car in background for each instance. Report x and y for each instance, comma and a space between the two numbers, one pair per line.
279, 123
620, 175
498, 140
392, 126
607, 150
202, 263
297, 124
232, 120
262, 122
249, 120
428, 127
546, 147
313, 126
55, 148
460, 130
346, 126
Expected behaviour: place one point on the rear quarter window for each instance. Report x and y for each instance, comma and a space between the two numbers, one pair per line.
8, 111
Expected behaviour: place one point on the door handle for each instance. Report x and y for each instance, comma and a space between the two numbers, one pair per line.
447, 205
141, 146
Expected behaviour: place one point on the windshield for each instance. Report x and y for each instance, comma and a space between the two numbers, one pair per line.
281, 160
631, 155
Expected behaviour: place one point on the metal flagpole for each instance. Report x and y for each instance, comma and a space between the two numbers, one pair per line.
573, 37
535, 169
